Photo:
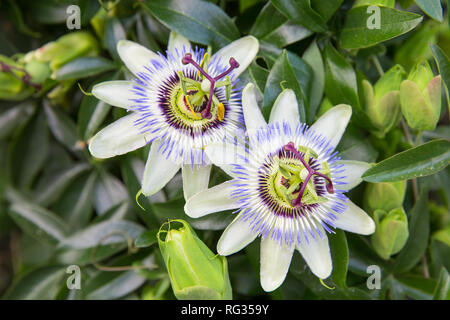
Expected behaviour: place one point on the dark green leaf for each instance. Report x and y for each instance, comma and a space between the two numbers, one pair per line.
59, 183
38, 222
271, 26
432, 8
442, 290
283, 71
75, 205
62, 126
29, 151
326, 9
97, 241
146, 239
443, 63
340, 79
420, 161
39, 284
314, 58
84, 67
109, 191
114, 32
339, 255
419, 231
199, 21
258, 75
300, 11
393, 23
13, 118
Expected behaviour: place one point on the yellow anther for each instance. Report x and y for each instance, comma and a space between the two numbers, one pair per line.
190, 107
220, 111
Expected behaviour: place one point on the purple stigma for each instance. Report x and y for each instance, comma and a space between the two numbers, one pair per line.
187, 59
329, 184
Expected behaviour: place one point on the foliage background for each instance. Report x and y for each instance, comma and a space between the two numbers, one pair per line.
59, 206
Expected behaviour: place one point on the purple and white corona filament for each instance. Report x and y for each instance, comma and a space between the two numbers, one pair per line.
288, 187
180, 103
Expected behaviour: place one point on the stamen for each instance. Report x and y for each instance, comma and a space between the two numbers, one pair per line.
329, 184
187, 59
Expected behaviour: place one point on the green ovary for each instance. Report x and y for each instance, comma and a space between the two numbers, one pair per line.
288, 176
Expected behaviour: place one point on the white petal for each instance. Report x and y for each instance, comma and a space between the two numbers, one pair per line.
285, 108
120, 137
275, 261
115, 93
317, 255
355, 219
243, 50
353, 173
158, 170
224, 155
332, 124
195, 179
134, 55
178, 42
235, 237
252, 114
211, 200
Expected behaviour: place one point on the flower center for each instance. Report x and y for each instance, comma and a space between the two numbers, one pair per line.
199, 97
293, 179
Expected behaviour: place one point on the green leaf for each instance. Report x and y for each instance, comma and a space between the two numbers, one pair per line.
420, 161
313, 57
443, 63
97, 241
174, 209
432, 8
258, 75
109, 191
59, 183
29, 150
15, 117
355, 146
419, 231
339, 256
393, 23
132, 169
38, 222
39, 284
84, 67
62, 126
93, 112
300, 12
326, 9
75, 205
412, 287
271, 26
282, 71
199, 21
146, 239
442, 290
114, 32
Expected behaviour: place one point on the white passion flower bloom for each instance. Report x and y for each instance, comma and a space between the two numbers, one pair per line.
288, 187
179, 103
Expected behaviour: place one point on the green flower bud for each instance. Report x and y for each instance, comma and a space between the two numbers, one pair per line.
11, 87
382, 102
66, 48
39, 71
384, 196
442, 236
420, 97
391, 232
194, 271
